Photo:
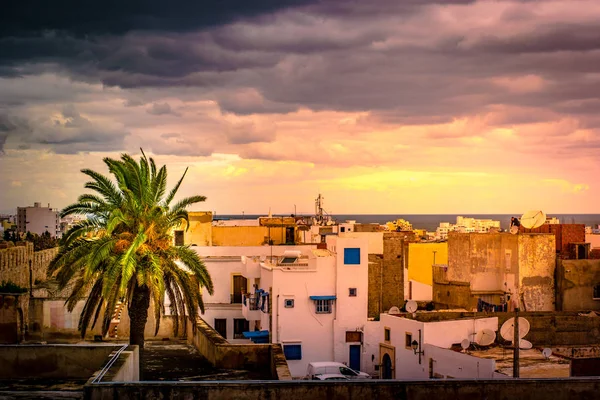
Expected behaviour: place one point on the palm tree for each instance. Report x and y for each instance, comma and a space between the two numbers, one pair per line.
124, 250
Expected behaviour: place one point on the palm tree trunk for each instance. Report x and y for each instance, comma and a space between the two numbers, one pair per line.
138, 315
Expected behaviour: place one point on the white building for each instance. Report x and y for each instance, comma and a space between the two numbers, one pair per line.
431, 356
38, 219
466, 225
311, 300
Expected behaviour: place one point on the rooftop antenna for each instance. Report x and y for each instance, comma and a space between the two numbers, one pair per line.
319, 209
533, 219
411, 307
547, 352
485, 337
465, 344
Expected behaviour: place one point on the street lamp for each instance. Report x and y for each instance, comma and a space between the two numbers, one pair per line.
416, 346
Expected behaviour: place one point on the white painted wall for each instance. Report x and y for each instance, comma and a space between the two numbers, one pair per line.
593, 239
420, 291
452, 364
436, 338
372, 338
374, 239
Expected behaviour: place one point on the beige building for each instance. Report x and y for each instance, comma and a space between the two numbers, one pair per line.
500, 268
38, 219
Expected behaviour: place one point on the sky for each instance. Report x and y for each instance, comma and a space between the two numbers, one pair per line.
382, 106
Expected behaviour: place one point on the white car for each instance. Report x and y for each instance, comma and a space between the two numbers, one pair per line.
331, 377
335, 368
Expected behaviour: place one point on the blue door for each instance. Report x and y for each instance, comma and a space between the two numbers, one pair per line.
355, 357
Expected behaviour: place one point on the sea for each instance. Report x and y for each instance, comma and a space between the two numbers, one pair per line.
430, 222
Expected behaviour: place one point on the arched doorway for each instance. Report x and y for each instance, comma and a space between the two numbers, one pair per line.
386, 366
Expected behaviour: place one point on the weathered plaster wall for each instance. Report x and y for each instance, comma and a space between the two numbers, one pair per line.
450, 294
496, 263
51, 361
575, 281
200, 229
537, 263
11, 318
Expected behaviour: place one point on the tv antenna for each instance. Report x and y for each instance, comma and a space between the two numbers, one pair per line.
533, 219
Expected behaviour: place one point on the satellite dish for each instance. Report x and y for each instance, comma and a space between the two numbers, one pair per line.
485, 337
514, 229
394, 310
465, 344
525, 344
547, 353
508, 329
411, 306
533, 219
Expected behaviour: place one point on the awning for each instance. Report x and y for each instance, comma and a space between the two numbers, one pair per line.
255, 334
322, 297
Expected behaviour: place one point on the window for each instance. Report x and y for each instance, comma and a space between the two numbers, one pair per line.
240, 325
342, 229
178, 238
289, 260
352, 256
221, 326
386, 334
408, 340
292, 351
596, 292
347, 372
352, 292
323, 306
289, 303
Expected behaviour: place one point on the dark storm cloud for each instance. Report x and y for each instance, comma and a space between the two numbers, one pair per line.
82, 17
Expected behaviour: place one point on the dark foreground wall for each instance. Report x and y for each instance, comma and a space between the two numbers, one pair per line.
555, 389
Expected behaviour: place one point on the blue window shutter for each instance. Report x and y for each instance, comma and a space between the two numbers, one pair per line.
292, 351
352, 256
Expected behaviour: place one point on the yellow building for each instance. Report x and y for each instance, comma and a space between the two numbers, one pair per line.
421, 257
249, 235
199, 232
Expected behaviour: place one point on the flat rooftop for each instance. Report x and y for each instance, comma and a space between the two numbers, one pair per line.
532, 364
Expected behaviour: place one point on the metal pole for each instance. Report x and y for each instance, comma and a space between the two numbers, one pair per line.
516, 343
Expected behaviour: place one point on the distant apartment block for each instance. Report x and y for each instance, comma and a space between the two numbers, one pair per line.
466, 225
38, 219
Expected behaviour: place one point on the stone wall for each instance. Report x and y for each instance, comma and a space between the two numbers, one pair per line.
14, 264
575, 281
11, 318
564, 235
541, 389
374, 291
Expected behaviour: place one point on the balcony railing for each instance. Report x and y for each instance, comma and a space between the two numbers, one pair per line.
256, 303
251, 302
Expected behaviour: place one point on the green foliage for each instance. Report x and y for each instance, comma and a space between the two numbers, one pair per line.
10, 287
125, 246
41, 242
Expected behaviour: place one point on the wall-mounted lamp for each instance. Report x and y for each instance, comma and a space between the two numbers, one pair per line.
416, 346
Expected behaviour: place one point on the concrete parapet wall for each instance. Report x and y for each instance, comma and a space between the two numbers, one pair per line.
51, 361
124, 368
222, 354
556, 389
547, 328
